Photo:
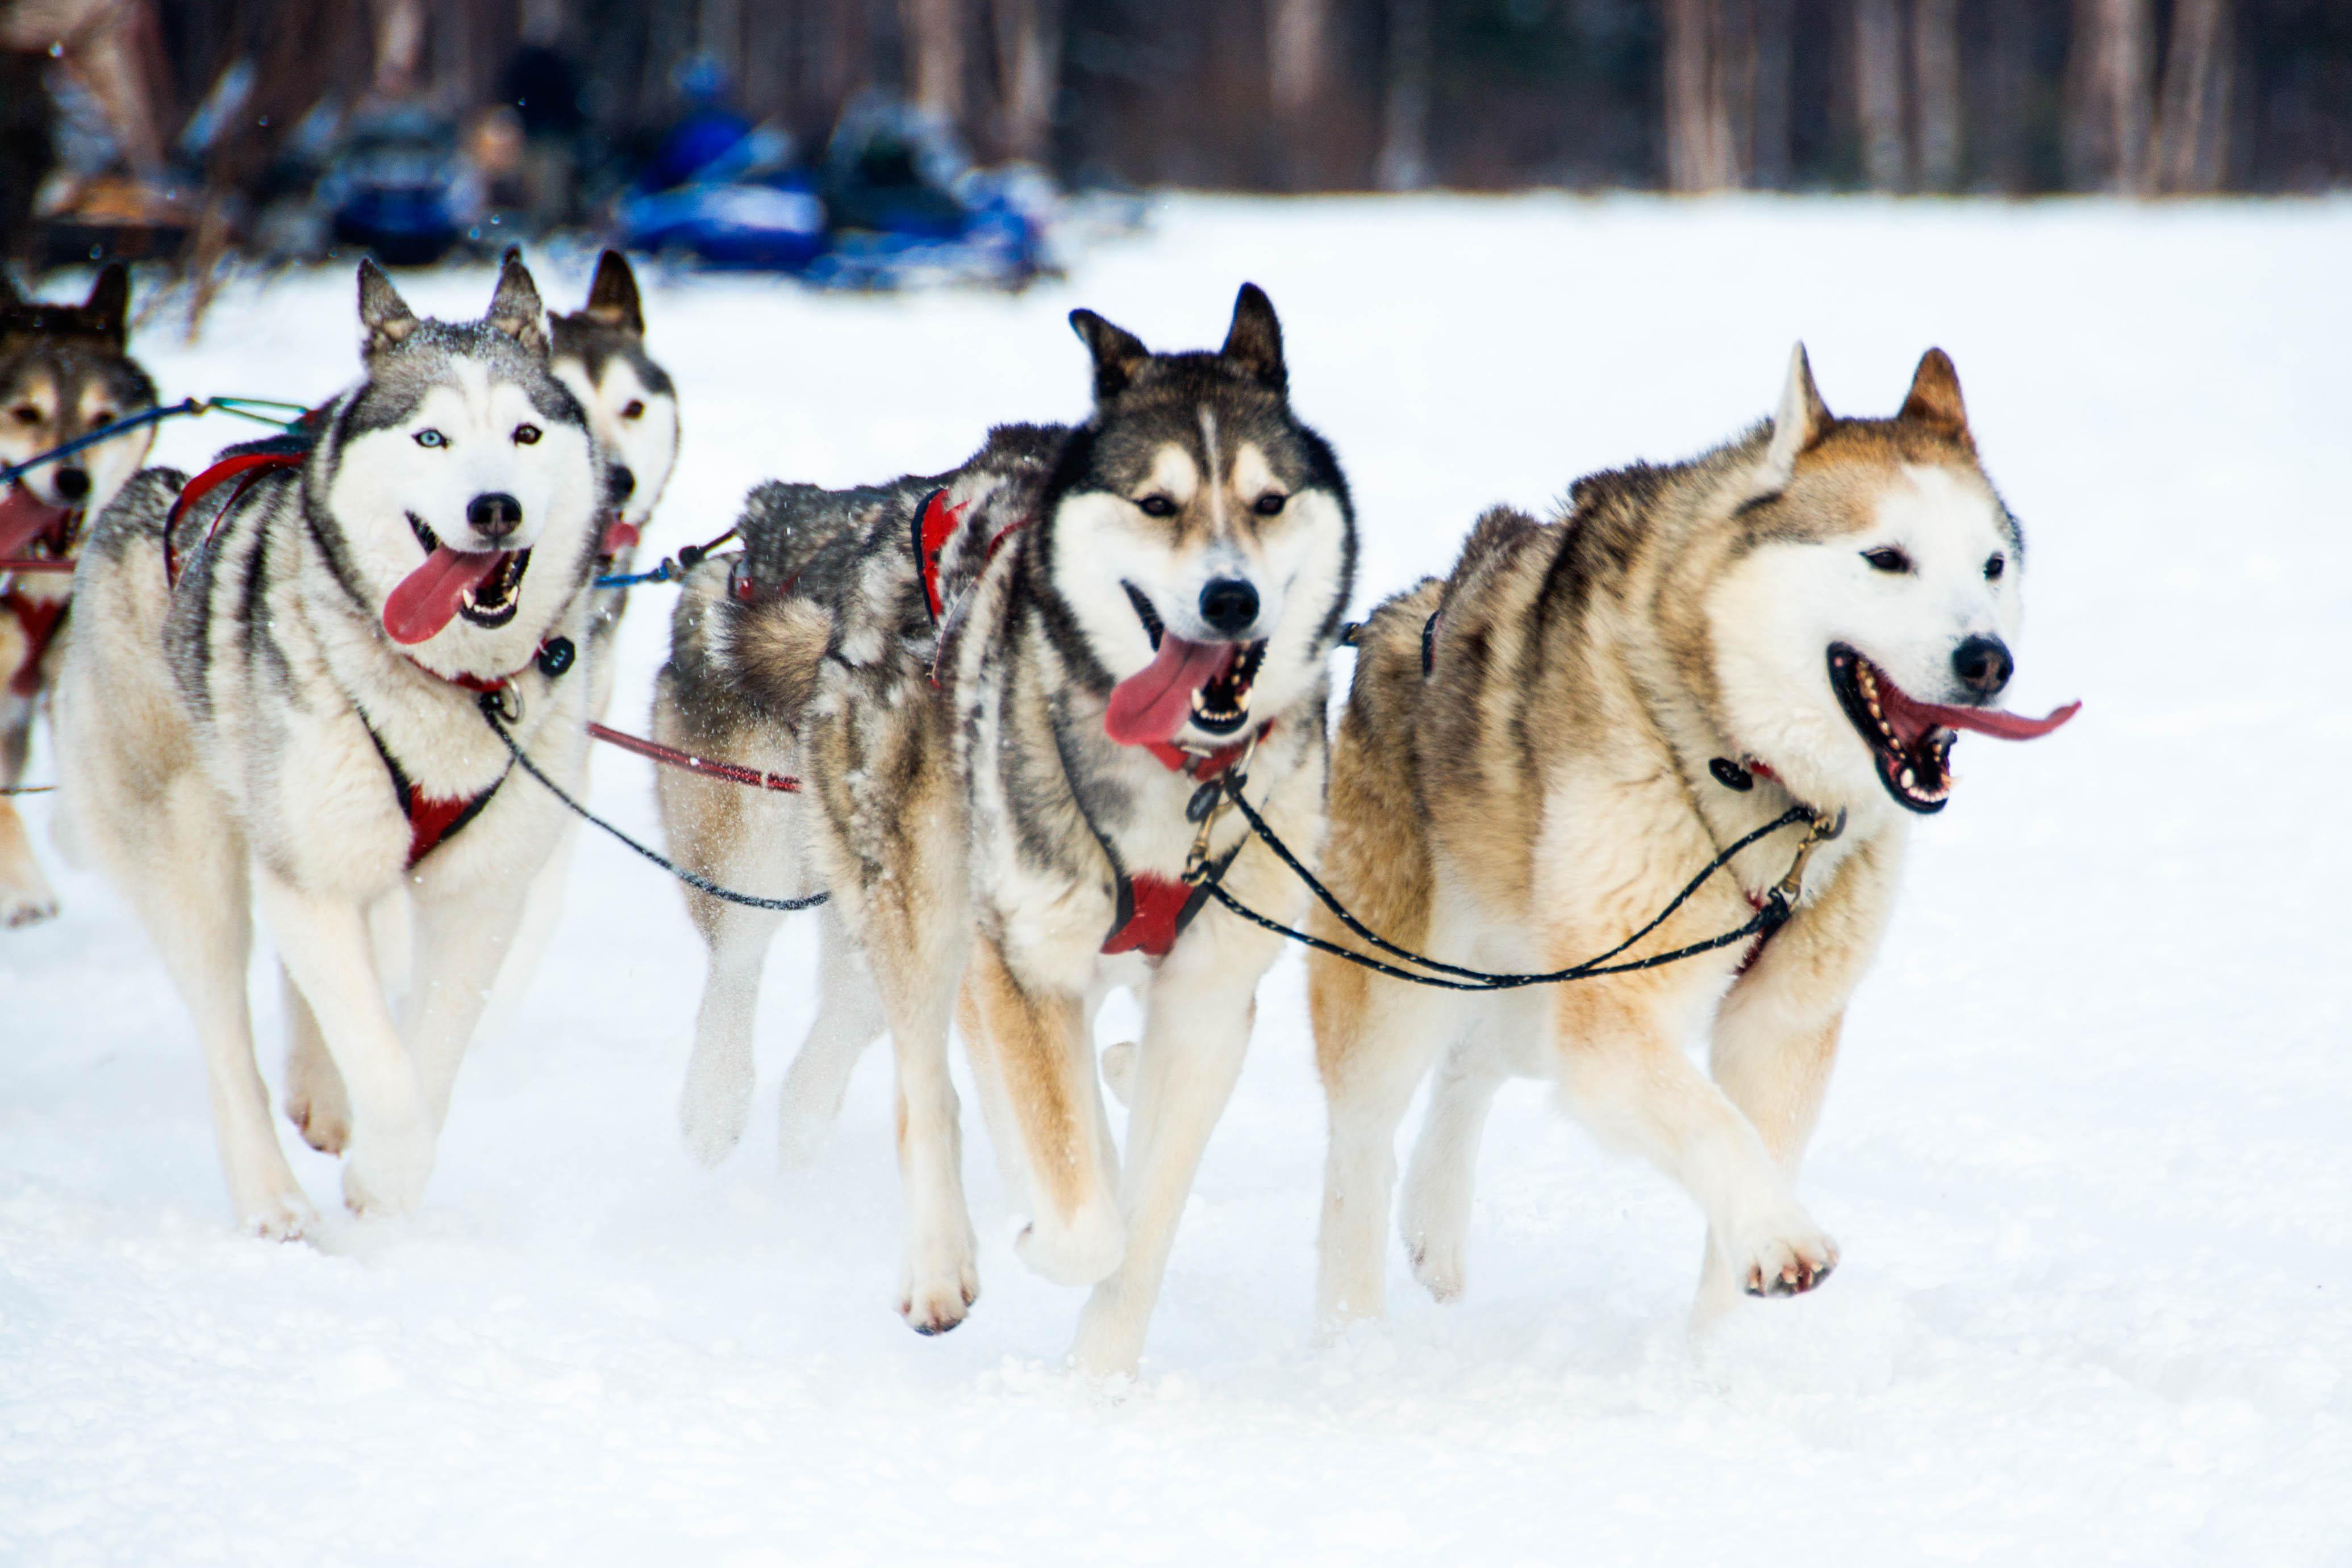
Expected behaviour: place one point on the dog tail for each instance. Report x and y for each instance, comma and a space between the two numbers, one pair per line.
1377, 858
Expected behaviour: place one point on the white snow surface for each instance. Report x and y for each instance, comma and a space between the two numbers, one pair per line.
2086, 1152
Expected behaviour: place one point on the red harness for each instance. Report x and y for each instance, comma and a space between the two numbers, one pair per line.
40, 619
1153, 910
284, 452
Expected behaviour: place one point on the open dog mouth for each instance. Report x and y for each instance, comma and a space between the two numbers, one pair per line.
485, 586
31, 529
1204, 683
1911, 741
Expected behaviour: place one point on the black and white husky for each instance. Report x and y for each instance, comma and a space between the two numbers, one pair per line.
295, 723
999, 753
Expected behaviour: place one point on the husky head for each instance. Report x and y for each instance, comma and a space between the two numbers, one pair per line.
459, 479
1199, 541
1870, 596
64, 374
600, 354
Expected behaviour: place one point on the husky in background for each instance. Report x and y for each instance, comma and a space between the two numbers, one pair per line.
297, 723
1542, 747
746, 641
65, 372
598, 351
999, 757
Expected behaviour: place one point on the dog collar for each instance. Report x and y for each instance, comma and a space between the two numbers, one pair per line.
552, 658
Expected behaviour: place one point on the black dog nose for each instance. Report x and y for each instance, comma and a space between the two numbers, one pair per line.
620, 483
1983, 664
73, 483
494, 514
1229, 605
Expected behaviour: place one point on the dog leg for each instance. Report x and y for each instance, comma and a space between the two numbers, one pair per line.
1371, 1048
943, 1275
1196, 1032
326, 947
542, 911
1037, 1050
189, 887
25, 898
1434, 1218
848, 1019
462, 935
716, 1104
1627, 1079
315, 1100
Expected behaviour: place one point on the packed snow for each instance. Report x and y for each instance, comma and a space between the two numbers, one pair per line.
2086, 1153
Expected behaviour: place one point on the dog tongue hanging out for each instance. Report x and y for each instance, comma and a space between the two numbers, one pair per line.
430, 597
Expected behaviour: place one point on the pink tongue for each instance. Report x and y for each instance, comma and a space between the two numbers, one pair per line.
428, 596
1992, 722
23, 517
1153, 703
618, 536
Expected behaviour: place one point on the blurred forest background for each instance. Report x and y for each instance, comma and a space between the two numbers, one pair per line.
2013, 97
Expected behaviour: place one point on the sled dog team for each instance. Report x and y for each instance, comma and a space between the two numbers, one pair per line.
337, 677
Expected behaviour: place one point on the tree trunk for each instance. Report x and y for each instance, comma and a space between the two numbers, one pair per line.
2107, 131
1029, 74
1936, 81
1299, 48
2193, 125
1703, 65
1404, 106
935, 40
1878, 94
1771, 161
2009, 82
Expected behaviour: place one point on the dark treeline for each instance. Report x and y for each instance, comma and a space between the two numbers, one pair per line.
2013, 96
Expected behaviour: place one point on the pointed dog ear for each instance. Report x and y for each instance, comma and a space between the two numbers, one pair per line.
612, 296
1802, 420
515, 309
1254, 342
1935, 398
107, 311
383, 313
1118, 353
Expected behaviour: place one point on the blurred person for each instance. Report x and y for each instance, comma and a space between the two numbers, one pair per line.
541, 86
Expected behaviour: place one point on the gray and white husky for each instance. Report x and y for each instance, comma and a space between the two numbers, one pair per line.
65, 372
999, 758
296, 723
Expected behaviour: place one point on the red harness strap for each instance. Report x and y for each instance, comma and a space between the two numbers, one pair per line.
1153, 910
244, 469
433, 820
40, 619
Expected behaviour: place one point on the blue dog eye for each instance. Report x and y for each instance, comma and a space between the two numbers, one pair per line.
431, 438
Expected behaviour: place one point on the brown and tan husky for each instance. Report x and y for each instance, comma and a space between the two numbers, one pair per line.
1542, 747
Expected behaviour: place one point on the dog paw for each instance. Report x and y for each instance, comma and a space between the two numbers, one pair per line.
1439, 1263
716, 1107
387, 1169
936, 1298
1788, 1261
1118, 1070
321, 1117
22, 907
1085, 1251
279, 1217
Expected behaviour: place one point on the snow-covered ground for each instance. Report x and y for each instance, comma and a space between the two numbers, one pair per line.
2088, 1152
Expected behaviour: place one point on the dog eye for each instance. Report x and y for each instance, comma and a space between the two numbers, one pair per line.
431, 438
635, 410
1994, 567
1886, 558
526, 435
26, 414
1157, 506
104, 417
1269, 503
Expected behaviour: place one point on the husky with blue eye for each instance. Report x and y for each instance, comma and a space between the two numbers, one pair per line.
275, 699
